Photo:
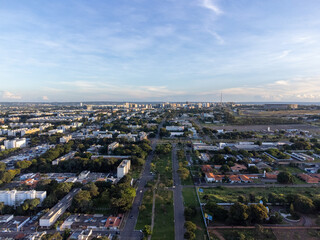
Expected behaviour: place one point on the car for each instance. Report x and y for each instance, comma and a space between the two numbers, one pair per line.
140, 191
131, 216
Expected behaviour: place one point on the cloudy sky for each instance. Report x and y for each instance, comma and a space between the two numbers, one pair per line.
160, 50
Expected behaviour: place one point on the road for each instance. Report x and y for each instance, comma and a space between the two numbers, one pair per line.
177, 198
243, 185
129, 232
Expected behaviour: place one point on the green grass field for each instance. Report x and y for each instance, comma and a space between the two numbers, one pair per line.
163, 166
221, 195
250, 234
164, 216
145, 212
190, 200
290, 169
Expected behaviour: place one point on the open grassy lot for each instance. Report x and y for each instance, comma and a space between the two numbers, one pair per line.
290, 169
164, 216
221, 195
295, 234
163, 166
259, 113
190, 200
249, 234
145, 212
265, 127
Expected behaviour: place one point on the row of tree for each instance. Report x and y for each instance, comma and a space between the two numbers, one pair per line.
105, 196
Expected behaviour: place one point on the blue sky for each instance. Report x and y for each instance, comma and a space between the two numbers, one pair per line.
160, 50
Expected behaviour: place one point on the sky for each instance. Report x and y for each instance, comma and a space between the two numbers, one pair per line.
160, 50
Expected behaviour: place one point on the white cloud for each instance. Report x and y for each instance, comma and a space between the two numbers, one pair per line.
304, 89
109, 91
209, 4
284, 54
6, 95
45, 98
219, 39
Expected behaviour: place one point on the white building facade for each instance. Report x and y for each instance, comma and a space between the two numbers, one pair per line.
123, 168
16, 198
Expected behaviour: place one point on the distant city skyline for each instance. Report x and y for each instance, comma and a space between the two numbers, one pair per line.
160, 50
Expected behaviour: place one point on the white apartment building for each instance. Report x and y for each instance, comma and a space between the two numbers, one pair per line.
112, 146
65, 139
55, 212
16, 198
175, 128
16, 143
123, 168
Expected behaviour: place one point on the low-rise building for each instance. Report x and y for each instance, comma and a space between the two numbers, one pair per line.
210, 177
114, 222
65, 139
206, 168
112, 147
64, 158
175, 128
234, 179
238, 168
10, 223
307, 178
84, 221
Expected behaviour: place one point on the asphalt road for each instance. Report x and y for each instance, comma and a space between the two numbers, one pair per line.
243, 185
177, 198
129, 232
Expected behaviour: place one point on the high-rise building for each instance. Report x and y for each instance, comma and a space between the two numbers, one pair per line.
123, 168
16, 198
15, 143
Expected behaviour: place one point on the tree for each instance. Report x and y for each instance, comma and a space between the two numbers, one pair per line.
62, 189
303, 204
285, 178
92, 188
316, 203
253, 169
257, 213
235, 235
82, 201
238, 213
190, 229
184, 173
275, 219
147, 230
2, 166
242, 199
190, 212
1, 207
189, 235
252, 197
218, 212
190, 226
33, 203
55, 236
225, 168
23, 164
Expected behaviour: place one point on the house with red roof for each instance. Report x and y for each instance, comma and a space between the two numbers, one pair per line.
114, 222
